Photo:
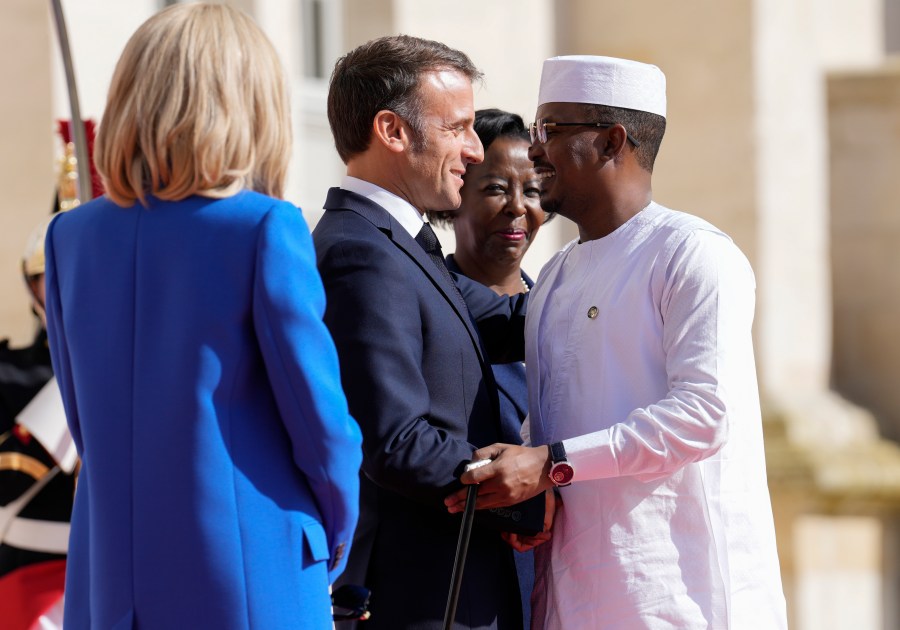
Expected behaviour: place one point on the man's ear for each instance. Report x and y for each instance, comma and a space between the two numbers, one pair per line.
616, 139
391, 131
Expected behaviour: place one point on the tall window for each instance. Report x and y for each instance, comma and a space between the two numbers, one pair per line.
892, 26
321, 41
321, 37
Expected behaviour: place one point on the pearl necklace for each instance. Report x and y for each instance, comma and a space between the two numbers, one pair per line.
524, 284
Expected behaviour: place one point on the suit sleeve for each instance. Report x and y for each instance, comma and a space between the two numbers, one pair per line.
375, 319
500, 319
302, 365
56, 338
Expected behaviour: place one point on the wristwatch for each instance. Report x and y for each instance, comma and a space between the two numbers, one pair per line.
561, 471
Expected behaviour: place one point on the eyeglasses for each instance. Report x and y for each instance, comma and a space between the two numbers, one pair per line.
538, 129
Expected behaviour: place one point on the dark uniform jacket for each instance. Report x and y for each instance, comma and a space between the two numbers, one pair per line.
32, 574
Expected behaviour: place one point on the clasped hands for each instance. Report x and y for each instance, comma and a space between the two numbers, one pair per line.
516, 474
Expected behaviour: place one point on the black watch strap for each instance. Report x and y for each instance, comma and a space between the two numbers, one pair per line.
557, 452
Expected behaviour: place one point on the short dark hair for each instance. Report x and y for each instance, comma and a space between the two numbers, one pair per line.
646, 128
384, 74
490, 124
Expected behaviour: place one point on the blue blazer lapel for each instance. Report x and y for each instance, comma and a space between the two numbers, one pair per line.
340, 199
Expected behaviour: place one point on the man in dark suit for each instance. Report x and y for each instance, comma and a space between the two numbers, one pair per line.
415, 368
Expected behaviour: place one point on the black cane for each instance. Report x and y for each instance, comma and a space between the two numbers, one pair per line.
462, 547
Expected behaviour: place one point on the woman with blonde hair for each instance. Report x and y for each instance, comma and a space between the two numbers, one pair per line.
219, 480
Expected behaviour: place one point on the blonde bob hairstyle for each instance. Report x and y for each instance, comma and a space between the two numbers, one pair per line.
197, 106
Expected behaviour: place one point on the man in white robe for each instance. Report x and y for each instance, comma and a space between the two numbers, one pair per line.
643, 399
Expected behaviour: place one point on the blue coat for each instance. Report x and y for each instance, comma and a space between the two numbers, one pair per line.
219, 484
418, 378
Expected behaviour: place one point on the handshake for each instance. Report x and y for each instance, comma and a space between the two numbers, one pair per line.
504, 475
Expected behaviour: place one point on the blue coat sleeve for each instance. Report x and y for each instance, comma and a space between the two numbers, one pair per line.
500, 319
56, 337
302, 365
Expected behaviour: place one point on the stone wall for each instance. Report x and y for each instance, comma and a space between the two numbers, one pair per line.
26, 156
864, 130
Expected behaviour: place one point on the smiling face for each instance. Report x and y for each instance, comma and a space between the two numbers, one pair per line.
568, 162
449, 144
500, 212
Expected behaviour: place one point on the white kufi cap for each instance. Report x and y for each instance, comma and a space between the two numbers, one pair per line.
603, 81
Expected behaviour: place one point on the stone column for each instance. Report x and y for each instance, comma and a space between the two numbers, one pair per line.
26, 158
865, 238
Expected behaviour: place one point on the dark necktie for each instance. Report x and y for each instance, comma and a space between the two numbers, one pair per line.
432, 246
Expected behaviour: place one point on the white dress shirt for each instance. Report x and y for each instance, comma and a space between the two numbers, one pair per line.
641, 360
403, 211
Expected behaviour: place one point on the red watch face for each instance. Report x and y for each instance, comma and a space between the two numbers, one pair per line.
562, 473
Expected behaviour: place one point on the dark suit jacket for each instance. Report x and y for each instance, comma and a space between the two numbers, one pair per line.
23, 373
418, 380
